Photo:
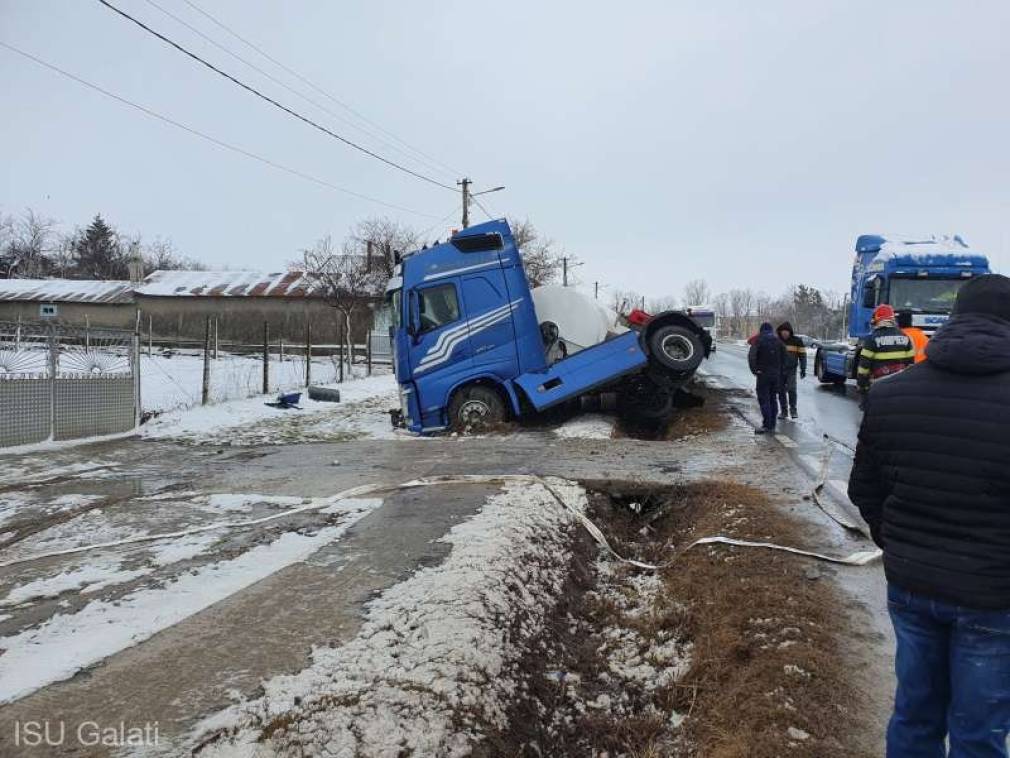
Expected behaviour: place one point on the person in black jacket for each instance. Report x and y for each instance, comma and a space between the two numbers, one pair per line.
887, 351
932, 480
796, 357
766, 359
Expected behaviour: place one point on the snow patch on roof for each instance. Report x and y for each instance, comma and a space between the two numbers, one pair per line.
66, 290
922, 247
228, 284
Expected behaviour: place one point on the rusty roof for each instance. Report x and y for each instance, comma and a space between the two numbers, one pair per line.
66, 291
228, 284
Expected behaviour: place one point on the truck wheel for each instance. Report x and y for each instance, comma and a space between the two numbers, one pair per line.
644, 399
676, 348
822, 374
475, 408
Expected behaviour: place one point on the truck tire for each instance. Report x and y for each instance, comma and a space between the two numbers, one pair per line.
324, 394
643, 399
475, 408
676, 348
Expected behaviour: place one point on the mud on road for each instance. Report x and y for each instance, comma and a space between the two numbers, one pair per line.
727, 652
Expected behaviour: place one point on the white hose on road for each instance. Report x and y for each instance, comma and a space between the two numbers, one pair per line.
856, 559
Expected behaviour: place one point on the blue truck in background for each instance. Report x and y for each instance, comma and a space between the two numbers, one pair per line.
919, 278
469, 351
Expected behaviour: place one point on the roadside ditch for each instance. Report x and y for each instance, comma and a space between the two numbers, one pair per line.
727, 652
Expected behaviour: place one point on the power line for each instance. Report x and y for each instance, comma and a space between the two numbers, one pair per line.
481, 206
441, 221
209, 138
308, 82
273, 102
284, 84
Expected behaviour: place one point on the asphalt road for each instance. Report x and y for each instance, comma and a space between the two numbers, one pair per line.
826, 413
823, 409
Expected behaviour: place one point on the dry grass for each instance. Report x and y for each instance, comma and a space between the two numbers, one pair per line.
764, 636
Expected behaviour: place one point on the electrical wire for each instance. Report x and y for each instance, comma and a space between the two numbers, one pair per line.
481, 206
285, 85
309, 83
271, 101
209, 138
423, 234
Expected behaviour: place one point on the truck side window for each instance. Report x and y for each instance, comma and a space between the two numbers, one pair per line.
437, 306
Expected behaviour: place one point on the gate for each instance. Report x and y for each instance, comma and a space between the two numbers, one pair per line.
61, 382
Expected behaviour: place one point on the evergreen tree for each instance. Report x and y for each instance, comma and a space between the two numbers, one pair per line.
98, 254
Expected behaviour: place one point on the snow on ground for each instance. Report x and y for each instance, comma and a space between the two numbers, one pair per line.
362, 412
90, 578
68, 642
591, 426
169, 381
437, 660
27, 471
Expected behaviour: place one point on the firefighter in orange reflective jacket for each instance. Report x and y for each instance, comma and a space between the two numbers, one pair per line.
887, 351
918, 337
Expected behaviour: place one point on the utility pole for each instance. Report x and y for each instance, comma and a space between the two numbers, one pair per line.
465, 184
596, 290
564, 272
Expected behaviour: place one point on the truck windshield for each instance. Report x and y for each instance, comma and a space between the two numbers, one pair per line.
926, 295
706, 320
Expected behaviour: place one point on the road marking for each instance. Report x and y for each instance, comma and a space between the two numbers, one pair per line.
786, 441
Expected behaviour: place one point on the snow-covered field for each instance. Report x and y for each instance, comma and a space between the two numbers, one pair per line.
363, 411
169, 383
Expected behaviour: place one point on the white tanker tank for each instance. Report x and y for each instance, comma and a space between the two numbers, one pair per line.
581, 320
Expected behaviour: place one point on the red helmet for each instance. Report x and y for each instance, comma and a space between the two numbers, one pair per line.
882, 313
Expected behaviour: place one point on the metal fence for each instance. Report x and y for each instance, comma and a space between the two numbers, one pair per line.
61, 382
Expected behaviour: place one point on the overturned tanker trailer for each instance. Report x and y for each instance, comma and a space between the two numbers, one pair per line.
473, 345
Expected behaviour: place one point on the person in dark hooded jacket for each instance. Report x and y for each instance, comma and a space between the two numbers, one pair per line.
766, 358
932, 480
795, 358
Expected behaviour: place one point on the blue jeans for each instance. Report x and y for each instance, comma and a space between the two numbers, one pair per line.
953, 669
768, 399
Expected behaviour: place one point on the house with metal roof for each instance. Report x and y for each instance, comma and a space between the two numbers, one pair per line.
98, 303
176, 305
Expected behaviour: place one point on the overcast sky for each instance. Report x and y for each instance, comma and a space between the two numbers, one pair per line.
745, 143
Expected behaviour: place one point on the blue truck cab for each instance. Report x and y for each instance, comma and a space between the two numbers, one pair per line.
468, 348
919, 278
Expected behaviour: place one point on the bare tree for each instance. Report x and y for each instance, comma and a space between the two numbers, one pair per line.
625, 301
28, 242
384, 237
741, 306
349, 281
696, 292
541, 256
160, 255
660, 304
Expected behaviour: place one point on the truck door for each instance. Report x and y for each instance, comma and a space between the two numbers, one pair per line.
439, 344
492, 332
